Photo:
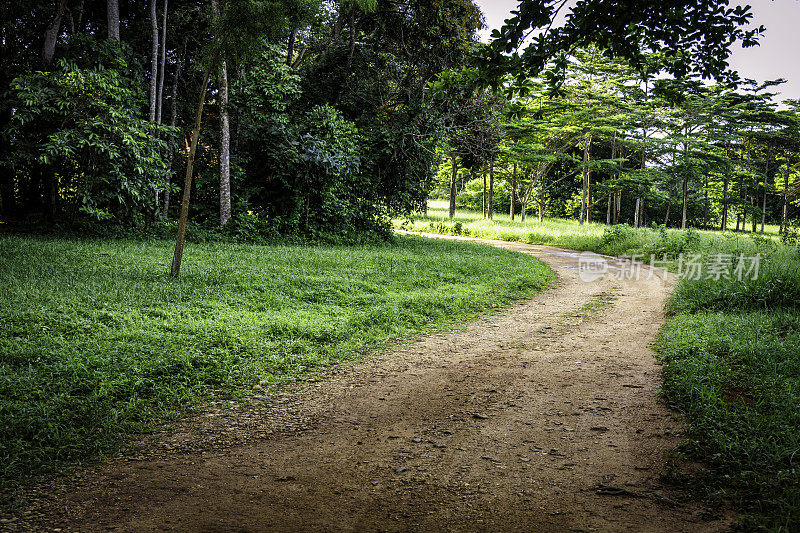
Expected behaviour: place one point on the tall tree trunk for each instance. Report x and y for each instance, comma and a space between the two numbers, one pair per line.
785, 211
724, 225
112, 17
753, 210
669, 205
685, 190
153, 60
585, 188
483, 197
163, 62
453, 178
764, 201
617, 206
491, 189
224, 149
51, 34
637, 214
705, 203
171, 147
513, 192
187, 183
612, 194
224, 139
80, 10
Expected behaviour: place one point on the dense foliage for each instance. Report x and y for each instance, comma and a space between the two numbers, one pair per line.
313, 117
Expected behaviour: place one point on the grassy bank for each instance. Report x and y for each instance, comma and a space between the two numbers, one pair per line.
730, 348
97, 342
731, 353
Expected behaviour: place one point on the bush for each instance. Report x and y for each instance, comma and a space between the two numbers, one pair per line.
619, 240
79, 130
671, 244
471, 197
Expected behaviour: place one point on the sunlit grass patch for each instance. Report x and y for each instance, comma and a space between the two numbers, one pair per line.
96, 341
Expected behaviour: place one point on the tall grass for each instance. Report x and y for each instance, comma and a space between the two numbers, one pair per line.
731, 353
96, 341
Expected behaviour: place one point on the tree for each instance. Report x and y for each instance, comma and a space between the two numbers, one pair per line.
240, 26
692, 37
112, 11
224, 139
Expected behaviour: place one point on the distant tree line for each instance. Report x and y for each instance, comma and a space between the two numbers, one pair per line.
616, 144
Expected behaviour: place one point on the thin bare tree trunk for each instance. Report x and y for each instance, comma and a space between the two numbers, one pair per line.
785, 213
491, 189
79, 23
453, 178
224, 149
224, 139
585, 189
112, 17
685, 190
153, 60
163, 61
51, 34
513, 191
724, 225
173, 120
483, 197
187, 183
705, 203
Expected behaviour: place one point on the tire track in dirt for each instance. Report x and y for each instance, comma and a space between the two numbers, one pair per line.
544, 417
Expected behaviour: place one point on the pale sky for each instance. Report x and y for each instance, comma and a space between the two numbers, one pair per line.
778, 56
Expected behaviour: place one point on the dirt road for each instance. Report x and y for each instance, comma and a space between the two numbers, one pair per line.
544, 417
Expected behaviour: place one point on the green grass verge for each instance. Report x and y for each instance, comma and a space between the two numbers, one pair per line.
97, 342
618, 240
736, 375
730, 348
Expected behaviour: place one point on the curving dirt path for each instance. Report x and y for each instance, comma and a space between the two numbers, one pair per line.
544, 417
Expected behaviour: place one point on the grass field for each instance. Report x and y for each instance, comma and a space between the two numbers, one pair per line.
97, 342
730, 348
